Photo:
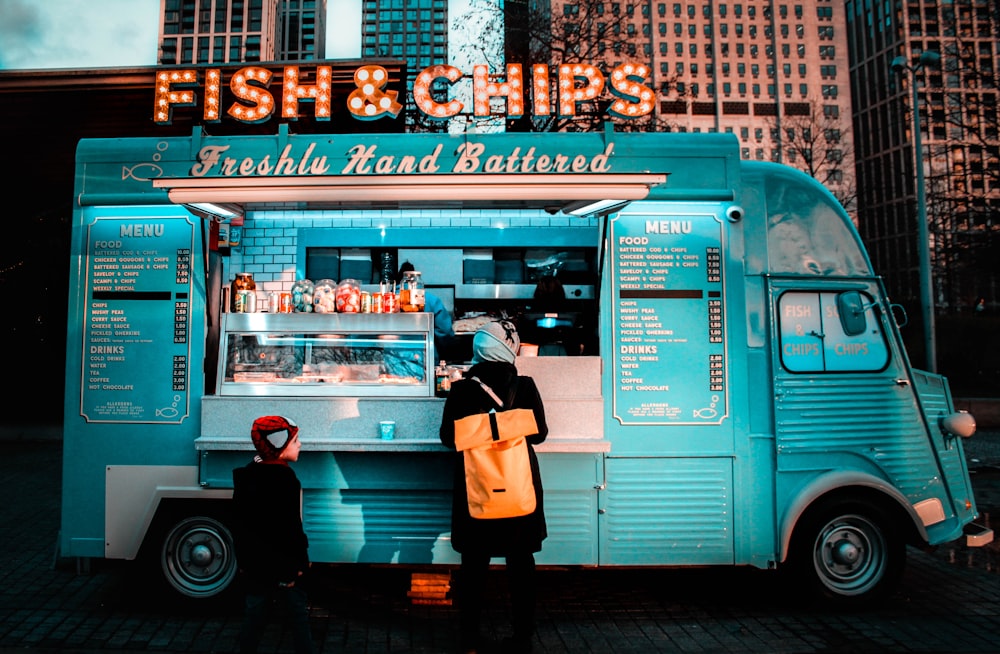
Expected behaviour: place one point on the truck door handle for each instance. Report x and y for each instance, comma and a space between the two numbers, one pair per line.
902, 382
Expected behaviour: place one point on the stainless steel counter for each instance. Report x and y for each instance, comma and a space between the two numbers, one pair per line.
569, 386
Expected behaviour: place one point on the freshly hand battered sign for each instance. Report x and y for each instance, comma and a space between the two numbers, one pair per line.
575, 83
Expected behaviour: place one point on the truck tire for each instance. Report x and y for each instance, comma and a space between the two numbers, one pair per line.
196, 556
847, 552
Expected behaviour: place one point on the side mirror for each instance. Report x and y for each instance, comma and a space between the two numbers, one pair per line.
899, 315
960, 423
851, 308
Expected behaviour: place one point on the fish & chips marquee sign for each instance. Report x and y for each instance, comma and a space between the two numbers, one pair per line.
371, 100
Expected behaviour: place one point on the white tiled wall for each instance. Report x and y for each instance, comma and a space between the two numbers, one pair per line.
269, 237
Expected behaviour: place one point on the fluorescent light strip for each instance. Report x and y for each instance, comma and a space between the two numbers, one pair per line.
559, 188
587, 208
215, 209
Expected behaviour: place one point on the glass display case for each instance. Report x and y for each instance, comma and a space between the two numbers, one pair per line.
328, 354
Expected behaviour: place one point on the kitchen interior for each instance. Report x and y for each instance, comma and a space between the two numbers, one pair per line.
475, 284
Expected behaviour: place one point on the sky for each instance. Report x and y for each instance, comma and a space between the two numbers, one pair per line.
37, 34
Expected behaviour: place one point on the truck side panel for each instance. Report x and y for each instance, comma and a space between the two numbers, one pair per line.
133, 379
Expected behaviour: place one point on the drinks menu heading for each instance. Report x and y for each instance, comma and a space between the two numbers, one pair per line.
669, 345
137, 320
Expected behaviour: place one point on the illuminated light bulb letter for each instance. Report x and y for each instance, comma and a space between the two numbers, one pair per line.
632, 97
369, 101
213, 89
166, 97
569, 94
540, 90
319, 93
483, 89
422, 92
250, 85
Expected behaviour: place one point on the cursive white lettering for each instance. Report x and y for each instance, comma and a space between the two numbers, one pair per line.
211, 162
361, 159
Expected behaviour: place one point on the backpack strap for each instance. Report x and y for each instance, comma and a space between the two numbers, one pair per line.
511, 394
489, 391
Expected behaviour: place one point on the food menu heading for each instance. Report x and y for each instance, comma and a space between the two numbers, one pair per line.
669, 350
137, 320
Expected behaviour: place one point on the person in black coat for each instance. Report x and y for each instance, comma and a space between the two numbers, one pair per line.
271, 544
554, 324
495, 347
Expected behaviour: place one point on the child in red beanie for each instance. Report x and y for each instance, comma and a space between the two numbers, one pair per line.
271, 545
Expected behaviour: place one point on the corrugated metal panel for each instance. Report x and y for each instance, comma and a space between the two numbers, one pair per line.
571, 482
865, 415
571, 518
411, 525
378, 526
666, 511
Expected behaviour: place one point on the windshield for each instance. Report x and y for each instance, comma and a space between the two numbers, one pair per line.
807, 231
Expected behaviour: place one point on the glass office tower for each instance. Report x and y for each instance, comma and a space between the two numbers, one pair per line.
235, 31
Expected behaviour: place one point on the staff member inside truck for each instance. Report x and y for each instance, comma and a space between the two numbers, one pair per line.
550, 324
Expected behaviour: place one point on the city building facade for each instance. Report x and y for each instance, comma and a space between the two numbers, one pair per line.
234, 31
775, 74
415, 31
301, 33
957, 104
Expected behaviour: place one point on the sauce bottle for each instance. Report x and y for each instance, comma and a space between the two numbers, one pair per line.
442, 380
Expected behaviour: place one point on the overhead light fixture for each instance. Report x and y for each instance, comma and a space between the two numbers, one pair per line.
217, 209
548, 190
587, 207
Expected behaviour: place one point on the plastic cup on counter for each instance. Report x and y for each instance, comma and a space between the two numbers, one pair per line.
387, 429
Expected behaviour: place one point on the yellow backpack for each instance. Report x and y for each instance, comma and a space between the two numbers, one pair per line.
497, 465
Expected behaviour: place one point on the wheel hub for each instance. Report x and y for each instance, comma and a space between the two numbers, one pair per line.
201, 555
197, 557
845, 552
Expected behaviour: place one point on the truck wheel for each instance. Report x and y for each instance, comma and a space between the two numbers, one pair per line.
848, 552
197, 558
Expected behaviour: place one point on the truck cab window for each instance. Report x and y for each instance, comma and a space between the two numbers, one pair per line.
813, 338
805, 233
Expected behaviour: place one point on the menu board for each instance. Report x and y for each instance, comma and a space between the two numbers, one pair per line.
669, 319
137, 320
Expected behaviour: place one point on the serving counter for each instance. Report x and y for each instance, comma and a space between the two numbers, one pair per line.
379, 501
574, 412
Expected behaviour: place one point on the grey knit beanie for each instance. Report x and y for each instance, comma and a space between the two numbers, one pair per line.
496, 341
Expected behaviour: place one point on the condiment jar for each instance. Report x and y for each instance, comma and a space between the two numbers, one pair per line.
348, 296
325, 296
243, 294
411, 294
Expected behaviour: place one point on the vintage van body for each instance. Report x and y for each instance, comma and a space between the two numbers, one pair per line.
749, 403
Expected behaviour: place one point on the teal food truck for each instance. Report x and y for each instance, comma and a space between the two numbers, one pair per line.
746, 401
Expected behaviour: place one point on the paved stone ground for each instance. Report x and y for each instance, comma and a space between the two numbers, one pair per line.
949, 600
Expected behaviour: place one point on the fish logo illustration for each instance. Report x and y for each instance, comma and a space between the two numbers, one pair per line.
144, 172
167, 412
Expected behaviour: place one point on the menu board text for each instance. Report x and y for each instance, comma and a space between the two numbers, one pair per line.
670, 351
137, 320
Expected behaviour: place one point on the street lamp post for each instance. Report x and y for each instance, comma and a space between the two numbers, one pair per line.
927, 59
